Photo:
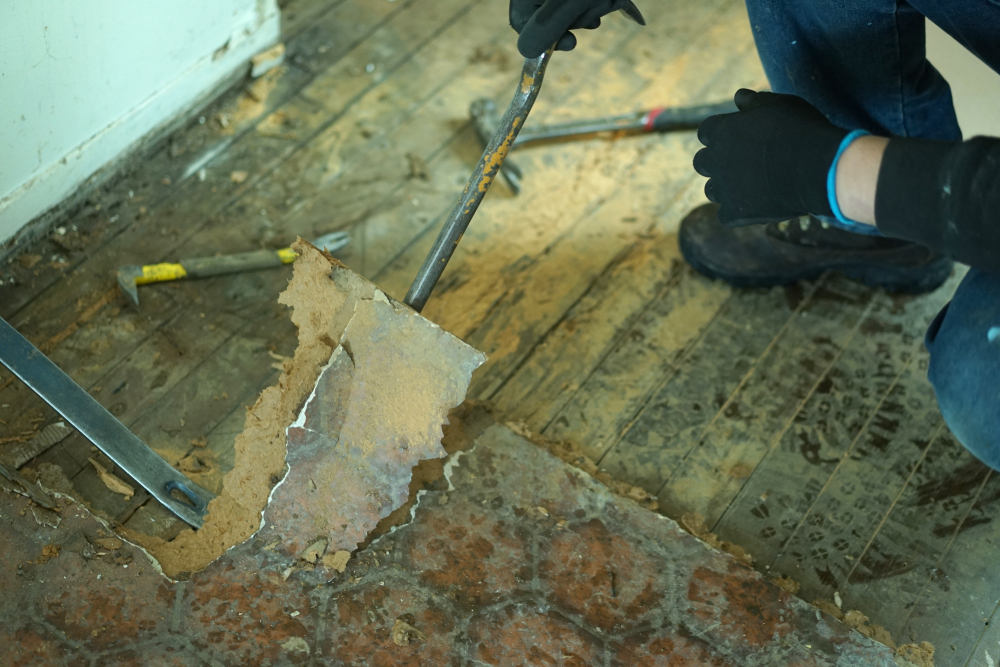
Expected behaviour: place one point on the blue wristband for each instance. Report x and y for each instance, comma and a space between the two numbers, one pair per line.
831, 188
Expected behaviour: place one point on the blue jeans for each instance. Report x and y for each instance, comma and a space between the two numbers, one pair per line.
863, 63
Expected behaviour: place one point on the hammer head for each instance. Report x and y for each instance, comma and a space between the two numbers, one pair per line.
126, 281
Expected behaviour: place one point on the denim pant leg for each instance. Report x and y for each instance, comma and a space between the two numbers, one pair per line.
861, 62
964, 342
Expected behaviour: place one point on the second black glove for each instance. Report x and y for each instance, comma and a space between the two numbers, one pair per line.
769, 161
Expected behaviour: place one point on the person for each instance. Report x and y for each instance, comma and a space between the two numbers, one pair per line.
855, 164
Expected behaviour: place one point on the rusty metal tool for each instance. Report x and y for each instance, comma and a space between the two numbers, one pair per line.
499, 144
486, 117
131, 276
99, 426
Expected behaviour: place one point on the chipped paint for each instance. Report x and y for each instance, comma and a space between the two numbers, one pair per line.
526, 83
493, 161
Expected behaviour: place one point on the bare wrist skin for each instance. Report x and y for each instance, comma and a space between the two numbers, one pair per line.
857, 178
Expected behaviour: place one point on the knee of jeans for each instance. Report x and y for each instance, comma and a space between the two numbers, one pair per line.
966, 382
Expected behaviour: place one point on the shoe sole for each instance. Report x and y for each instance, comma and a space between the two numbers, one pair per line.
889, 278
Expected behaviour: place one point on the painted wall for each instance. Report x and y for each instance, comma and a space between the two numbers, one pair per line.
82, 82
975, 87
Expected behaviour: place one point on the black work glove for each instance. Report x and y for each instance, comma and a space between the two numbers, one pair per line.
768, 161
541, 23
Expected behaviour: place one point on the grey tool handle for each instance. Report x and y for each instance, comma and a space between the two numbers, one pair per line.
663, 119
100, 427
202, 267
486, 171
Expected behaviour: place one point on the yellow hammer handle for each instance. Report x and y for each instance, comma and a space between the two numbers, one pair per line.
155, 273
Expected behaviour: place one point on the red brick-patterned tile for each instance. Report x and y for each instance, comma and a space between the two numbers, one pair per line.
470, 549
526, 634
246, 614
144, 656
597, 574
359, 624
741, 604
668, 646
32, 645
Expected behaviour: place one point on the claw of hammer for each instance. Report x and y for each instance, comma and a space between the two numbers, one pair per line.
127, 276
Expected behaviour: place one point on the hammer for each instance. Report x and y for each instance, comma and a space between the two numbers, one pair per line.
131, 276
485, 119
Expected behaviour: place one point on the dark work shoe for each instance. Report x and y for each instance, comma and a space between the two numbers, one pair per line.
785, 252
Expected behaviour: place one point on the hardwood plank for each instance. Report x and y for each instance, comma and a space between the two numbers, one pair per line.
648, 442
820, 547
918, 532
631, 323
298, 15
741, 431
987, 649
957, 605
827, 428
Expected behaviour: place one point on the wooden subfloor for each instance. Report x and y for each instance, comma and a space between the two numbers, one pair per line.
798, 422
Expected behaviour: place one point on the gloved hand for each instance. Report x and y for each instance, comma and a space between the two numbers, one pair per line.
768, 161
541, 23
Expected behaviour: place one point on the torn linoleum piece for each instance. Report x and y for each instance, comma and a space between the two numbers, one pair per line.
377, 410
324, 297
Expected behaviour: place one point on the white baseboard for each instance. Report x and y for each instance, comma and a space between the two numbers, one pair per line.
186, 92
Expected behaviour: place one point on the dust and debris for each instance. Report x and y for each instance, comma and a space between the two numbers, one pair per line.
859, 622
238, 176
695, 524
49, 551
192, 464
921, 655
16, 457
52, 477
113, 483
280, 360
109, 543
573, 455
45, 517
404, 634
265, 61
829, 608
786, 584
28, 261
296, 645
314, 551
492, 54
418, 168
337, 561
200, 442
740, 471
837, 601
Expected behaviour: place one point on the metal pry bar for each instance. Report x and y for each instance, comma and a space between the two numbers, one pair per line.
485, 173
100, 427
